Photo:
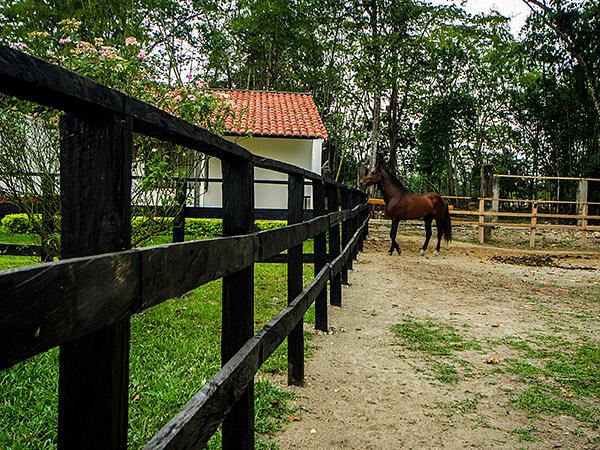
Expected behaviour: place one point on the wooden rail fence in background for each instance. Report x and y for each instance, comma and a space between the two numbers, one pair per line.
84, 302
532, 224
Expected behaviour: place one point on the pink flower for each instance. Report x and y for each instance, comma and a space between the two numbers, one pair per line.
172, 195
142, 55
199, 83
64, 40
177, 99
191, 97
18, 45
154, 150
131, 41
189, 76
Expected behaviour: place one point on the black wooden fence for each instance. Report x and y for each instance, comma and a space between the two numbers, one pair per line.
84, 302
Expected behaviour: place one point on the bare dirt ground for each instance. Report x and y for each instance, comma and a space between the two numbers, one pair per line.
366, 390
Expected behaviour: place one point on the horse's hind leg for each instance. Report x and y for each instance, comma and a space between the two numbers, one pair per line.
440, 233
428, 220
393, 232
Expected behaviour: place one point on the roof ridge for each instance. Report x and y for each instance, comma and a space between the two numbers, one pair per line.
259, 91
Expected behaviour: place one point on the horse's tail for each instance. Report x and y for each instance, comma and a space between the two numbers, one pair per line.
447, 225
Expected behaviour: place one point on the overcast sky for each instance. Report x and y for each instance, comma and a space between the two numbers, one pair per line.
517, 10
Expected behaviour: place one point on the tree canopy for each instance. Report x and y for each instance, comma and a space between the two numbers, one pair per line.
431, 91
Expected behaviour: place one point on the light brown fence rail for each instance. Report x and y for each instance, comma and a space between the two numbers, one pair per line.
486, 218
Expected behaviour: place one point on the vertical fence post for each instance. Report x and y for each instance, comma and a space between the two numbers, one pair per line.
95, 162
179, 219
584, 224
335, 285
532, 229
582, 210
356, 223
238, 297
345, 234
364, 216
320, 251
481, 221
294, 273
486, 191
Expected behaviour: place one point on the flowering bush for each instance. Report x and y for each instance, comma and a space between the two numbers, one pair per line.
128, 68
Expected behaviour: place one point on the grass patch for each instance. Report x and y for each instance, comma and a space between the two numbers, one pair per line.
439, 344
574, 365
466, 406
560, 376
524, 434
12, 262
175, 350
432, 338
445, 372
539, 399
7, 237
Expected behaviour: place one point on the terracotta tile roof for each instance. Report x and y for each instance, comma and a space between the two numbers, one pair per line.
284, 114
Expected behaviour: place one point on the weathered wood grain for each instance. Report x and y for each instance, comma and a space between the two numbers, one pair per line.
237, 323
294, 281
320, 256
95, 163
335, 216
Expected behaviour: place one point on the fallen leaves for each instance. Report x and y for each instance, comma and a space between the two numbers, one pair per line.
492, 359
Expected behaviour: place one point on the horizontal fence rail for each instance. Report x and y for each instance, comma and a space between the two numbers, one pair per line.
487, 217
84, 302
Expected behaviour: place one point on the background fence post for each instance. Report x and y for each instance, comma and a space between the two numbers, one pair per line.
486, 191
364, 199
532, 229
481, 221
582, 210
335, 284
357, 222
179, 219
294, 273
320, 251
346, 234
95, 162
238, 297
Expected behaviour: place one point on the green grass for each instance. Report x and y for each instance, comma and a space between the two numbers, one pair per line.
560, 376
541, 399
11, 262
431, 338
466, 406
524, 434
438, 343
7, 237
175, 348
571, 365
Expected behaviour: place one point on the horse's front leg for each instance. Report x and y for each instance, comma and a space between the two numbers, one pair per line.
427, 234
393, 232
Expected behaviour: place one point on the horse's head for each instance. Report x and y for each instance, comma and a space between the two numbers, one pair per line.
373, 178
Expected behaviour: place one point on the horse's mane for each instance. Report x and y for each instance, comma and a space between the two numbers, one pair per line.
394, 179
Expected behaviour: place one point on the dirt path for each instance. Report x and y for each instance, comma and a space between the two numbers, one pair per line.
364, 392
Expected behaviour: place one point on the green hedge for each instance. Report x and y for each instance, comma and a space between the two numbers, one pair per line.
201, 228
17, 223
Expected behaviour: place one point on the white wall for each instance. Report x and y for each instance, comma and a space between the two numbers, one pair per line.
305, 153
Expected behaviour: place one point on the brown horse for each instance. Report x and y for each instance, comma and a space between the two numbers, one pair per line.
402, 204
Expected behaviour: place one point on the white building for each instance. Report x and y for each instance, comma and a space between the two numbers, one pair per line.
278, 125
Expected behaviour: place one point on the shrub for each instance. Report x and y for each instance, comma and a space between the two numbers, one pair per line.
265, 225
17, 223
142, 226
